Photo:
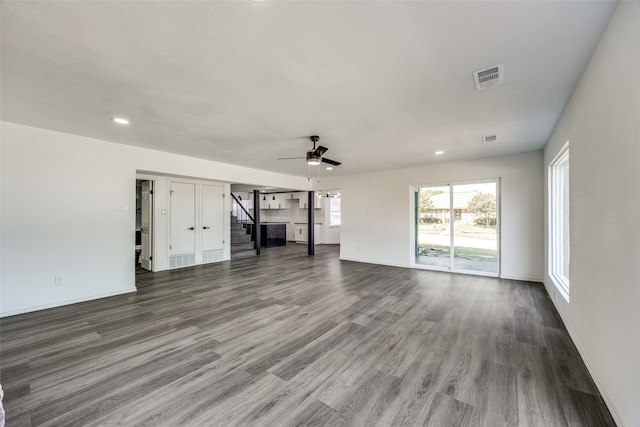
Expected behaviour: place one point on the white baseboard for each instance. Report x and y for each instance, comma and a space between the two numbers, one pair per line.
374, 262
66, 302
615, 413
603, 392
522, 278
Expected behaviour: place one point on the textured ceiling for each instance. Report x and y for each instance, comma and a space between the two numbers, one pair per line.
384, 84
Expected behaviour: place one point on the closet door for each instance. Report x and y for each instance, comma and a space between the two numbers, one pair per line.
212, 217
183, 218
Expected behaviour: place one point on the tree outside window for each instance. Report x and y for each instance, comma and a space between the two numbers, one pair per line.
483, 207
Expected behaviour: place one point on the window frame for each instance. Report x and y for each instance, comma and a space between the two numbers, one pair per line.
449, 212
559, 223
331, 211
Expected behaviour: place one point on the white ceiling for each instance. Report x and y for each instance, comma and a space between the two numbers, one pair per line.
384, 84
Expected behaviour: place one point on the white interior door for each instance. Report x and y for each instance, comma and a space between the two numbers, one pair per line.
147, 223
183, 218
212, 217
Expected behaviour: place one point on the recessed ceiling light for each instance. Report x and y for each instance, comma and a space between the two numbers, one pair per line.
329, 168
120, 121
438, 153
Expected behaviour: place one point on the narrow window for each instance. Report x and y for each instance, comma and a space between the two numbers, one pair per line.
559, 221
334, 211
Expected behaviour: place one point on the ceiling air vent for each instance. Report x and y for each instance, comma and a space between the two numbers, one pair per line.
488, 77
489, 138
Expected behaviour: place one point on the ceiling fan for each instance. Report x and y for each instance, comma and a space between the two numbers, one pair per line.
314, 157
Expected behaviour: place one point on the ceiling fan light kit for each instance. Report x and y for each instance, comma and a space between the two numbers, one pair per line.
315, 156
312, 159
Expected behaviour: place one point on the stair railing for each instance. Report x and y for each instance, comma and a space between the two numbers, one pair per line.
243, 217
239, 211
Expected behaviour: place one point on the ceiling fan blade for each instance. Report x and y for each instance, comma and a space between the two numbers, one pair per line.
290, 158
331, 162
318, 152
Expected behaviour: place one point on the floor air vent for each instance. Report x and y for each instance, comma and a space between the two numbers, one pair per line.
212, 256
488, 77
184, 260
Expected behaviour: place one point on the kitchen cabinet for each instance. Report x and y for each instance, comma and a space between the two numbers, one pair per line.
301, 233
299, 196
302, 203
280, 201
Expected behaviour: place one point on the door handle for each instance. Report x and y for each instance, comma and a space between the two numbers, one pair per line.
190, 228
206, 228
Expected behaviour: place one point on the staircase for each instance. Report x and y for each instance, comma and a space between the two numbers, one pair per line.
241, 244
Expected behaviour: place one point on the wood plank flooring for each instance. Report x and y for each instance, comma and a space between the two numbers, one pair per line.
287, 340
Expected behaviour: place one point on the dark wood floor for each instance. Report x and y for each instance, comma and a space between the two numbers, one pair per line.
287, 339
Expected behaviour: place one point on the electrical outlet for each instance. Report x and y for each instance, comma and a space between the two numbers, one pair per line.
59, 279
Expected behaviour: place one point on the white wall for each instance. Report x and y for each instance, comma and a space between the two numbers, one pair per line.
377, 219
59, 213
602, 123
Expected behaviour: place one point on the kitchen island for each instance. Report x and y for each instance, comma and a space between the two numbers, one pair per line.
273, 234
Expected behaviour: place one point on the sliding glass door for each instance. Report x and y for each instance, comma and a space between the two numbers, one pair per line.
433, 236
457, 227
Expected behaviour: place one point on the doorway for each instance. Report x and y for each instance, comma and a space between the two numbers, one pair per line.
144, 224
457, 227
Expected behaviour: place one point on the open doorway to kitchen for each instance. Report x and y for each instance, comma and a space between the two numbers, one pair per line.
457, 227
